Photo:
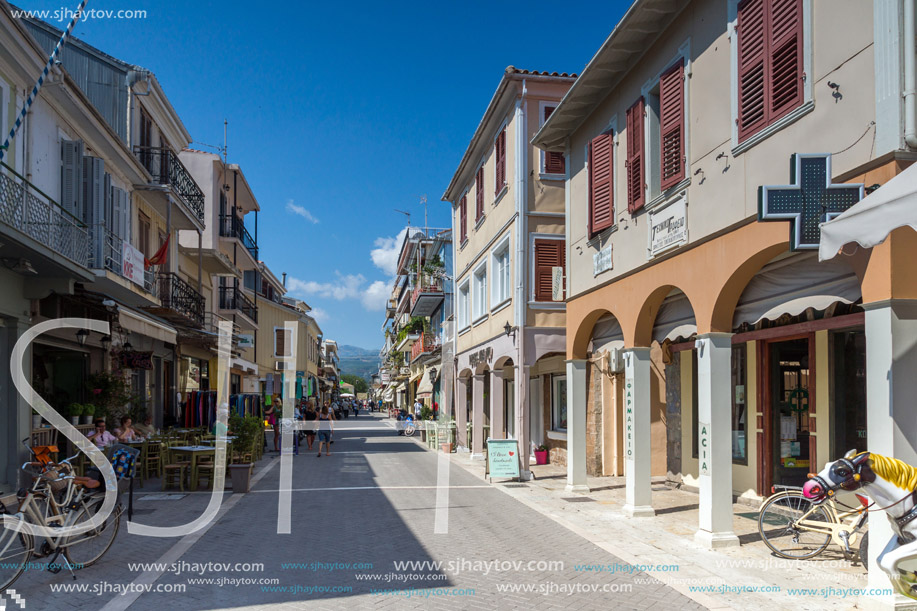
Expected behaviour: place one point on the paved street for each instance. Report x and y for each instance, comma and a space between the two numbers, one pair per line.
370, 504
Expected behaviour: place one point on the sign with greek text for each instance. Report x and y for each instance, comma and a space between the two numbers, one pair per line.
503, 457
601, 261
132, 264
629, 421
669, 226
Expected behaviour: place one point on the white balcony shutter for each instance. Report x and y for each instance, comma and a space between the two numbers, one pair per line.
71, 192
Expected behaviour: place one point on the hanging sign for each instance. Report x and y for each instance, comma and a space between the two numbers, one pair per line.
669, 226
132, 264
503, 458
133, 359
246, 340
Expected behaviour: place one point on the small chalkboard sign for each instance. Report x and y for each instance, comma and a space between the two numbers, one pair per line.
502, 458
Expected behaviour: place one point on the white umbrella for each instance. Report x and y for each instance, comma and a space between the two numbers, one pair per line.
869, 221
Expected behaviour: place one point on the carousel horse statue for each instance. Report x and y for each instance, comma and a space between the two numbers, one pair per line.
892, 484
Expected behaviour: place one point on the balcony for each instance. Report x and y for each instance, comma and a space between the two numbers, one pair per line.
181, 303
232, 226
427, 296
166, 169
32, 213
234, 299
425, 345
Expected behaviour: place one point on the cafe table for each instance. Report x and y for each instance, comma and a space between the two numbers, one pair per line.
193, 452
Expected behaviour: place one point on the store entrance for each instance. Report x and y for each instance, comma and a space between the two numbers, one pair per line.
790, 385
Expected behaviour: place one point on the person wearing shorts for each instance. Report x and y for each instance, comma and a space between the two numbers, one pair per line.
310, 417
325, 428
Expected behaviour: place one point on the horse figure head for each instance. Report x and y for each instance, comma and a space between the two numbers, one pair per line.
849, 473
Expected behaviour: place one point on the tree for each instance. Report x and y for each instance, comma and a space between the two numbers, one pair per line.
359, 384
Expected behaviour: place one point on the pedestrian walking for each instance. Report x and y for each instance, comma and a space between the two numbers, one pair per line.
325, 429
417, 407
310, 417
276, 412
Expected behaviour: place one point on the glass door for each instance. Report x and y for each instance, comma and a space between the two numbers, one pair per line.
789, 386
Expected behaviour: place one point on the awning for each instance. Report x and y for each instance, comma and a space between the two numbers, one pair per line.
134, 321
425, 389
675, 319
246, 366
869, 221
416, 376
388, 395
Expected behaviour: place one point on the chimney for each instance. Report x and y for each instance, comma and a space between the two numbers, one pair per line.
284, 280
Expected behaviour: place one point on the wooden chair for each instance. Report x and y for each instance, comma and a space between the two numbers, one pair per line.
206, 467
152, 460
173, 471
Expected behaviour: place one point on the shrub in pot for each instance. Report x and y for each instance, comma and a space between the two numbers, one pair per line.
74, 410
247, 431
541, 455
89, 410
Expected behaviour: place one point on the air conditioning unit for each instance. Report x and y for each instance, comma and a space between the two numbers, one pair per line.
283, 366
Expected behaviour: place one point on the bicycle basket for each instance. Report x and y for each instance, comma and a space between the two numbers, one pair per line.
53, 474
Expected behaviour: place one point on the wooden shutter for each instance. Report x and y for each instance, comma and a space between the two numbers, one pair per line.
672, 125
636, 187
752, 43
463, 218
554, 163
479, 194
601, 183
71, 183
500, 157
548, 254
279, 342
784, 47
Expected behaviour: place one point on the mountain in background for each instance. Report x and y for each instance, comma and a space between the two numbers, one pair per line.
358, 361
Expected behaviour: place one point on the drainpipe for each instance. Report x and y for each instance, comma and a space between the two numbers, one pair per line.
910, 75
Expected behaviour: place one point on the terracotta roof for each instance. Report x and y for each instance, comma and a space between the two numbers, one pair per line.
515, 70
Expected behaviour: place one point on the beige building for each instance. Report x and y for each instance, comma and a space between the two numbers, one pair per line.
508, 226
705, 341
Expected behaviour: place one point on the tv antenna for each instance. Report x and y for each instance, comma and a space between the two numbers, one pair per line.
407, 214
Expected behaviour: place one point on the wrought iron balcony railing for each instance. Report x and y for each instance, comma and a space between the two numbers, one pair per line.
232, 226
232, 298
167, 169
426, 344
180, 297
426, 285
26, 208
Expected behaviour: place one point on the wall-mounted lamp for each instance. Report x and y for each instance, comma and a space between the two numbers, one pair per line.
509, 330
126, 347
106, 342
872, 188
81, 336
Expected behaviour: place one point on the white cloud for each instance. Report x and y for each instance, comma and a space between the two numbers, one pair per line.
320, 315
293, 208
375, 296
345, 287
385, 254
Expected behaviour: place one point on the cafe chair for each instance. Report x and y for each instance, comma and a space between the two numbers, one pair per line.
172, 471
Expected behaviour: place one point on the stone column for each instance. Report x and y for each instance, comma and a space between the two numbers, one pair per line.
477, 417
496, 404
523, 417
891, 360
576, 426
637, 451
460, 409
714, 431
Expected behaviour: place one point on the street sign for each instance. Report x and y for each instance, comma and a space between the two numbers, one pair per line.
557, 283
503, 458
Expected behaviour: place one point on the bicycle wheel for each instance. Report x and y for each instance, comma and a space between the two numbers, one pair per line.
15, 553
777, 525
863, 552
85, 549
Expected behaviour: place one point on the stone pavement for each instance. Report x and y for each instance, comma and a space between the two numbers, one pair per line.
356, 515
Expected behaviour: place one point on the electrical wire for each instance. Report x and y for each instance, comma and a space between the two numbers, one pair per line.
871, 125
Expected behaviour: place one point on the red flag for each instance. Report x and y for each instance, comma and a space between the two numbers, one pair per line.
160, 257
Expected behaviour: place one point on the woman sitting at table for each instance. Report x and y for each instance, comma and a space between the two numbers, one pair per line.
127, 432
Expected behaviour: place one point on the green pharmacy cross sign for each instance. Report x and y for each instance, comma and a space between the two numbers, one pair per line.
810, 200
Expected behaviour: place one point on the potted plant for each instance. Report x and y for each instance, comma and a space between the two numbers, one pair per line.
74, 410
88, 411
246, 431
541, 455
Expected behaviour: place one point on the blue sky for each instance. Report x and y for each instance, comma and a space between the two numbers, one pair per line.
341, 112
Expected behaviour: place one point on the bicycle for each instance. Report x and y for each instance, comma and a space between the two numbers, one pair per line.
52, 501
797, 528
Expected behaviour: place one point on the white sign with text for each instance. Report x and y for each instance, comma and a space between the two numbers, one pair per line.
132, 264
601, 261
669, 226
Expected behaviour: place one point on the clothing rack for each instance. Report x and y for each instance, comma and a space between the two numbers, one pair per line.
245, 404
200, 408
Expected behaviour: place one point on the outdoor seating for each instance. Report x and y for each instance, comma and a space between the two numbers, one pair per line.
173, 471
151, 461
206, 467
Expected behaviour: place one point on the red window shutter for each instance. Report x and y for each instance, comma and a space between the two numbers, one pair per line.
601, 179
548, 254
635, 182
672, 125
752, 45
784, 47
500, 157
479, 194
463, 218
554, 163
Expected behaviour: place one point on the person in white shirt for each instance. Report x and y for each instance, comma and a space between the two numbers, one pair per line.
101, 437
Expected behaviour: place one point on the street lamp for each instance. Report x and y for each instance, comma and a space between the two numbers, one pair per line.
81, 336
105, 341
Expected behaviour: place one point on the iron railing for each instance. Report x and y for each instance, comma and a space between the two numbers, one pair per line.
107, 250
167, 169
232, 298
26, 208
232, 226
426, 285
180, 297
427, 343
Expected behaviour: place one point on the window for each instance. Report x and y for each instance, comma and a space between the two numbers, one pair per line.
479, 194
479, 292
463, 218
548, 255
143, 234
500, 287
464, 305
559, 403
770, 62
739, 405
282, 342
252, 280
500, 162
551, 163
672, 125
636, 187
601, 182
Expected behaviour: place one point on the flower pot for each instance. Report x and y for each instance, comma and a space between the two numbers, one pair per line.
447, 448
87, 419
541, 457
241, 477
74, 420
36, 421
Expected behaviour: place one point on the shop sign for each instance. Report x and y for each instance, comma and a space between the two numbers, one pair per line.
132, 264
133, 359
703, 445
503, 458
669, 226
246, 340
629, 422
601, 261
481, 357
386, 377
